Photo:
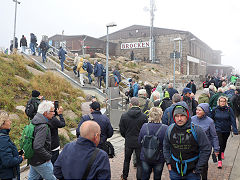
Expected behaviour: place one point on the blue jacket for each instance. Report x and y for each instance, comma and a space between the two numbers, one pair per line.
89, 68
103, 122
207, 124
153, 128
135, 89
9, 157
97, 70
171, 92
224, 118
168, 114
61, 54
73, 160
202, 141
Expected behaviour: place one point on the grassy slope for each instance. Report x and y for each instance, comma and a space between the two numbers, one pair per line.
14, 93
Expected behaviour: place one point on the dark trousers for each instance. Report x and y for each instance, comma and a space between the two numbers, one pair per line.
127, 158
147, 170
204, 172
222, 138
55, 155
190, 176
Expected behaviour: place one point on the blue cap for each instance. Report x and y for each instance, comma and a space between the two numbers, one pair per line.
187, 90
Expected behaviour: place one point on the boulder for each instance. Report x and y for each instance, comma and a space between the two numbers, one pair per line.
21, 108
69, 114
63, 132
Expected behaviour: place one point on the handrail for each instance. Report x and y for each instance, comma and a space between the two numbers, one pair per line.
58, 51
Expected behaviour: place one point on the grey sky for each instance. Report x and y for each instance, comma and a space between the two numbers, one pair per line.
213, 21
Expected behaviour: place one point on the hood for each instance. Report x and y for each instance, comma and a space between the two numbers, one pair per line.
135, 111
39, 119
184, 105
205, 107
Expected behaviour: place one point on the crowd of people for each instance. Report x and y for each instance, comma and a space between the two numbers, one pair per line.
161, 126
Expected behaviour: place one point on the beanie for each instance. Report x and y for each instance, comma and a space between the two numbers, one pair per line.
95, 105
180, 110
35, 93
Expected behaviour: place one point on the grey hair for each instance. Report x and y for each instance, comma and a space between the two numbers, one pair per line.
156, 95
134, 101
45, 106
3, 117
176, 98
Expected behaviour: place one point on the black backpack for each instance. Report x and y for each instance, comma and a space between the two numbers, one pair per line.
151, 146
30, 109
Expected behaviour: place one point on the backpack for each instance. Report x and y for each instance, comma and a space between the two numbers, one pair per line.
205, 84
151, 146
30, 109
84, 66
26, 141
146, 109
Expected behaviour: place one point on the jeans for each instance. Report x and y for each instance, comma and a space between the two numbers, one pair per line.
222, 138
32, 47
89, 78
190, 176
55, 155
147, 170
62, 65
127, 159
44, 171
44, 56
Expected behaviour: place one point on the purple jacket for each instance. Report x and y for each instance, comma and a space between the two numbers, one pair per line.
207, 124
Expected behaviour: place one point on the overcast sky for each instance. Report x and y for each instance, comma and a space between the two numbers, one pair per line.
216, 22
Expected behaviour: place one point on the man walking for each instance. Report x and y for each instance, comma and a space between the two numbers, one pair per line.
186, 147
62, 57
23, 43
130, 125
73, 162
44, 48
40, 164
33, 41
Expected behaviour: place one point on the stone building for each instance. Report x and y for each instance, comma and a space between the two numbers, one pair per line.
195, 55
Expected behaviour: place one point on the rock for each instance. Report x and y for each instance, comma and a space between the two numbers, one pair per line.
64, 94
14, 117
35, 71
21, 108
22, 79
63, 132
101, 55
69, 114
81, 98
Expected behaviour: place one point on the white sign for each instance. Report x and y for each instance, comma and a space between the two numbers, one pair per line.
135, 45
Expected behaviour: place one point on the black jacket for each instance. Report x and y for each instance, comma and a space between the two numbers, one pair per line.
192, 87
23, 42
41, 142
130, 125
54, 125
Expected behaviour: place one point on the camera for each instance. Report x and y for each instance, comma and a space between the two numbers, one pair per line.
56, 105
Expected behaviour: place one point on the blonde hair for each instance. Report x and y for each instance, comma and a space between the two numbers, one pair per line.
155, 115
222, 97
3, 117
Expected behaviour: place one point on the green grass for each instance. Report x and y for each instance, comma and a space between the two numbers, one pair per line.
14, 93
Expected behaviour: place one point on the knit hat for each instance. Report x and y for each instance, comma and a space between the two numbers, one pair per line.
95, 105
187, 90
35, 93
180, 110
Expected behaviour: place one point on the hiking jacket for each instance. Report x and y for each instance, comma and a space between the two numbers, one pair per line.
42, 141
54, 124
104, 123
97, 70
73, 160
149, 90
167, 117
61, 54
80, 67
117, 73
202, 145
171, 92
214, 99
203, 98
9, 157
224, 118
192, 86
207, 124
23, 42
153, 128
135, 89
142, 103
130, 124
236, 104
89, 68
192, 104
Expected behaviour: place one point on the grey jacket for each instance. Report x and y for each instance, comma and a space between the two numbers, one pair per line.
42, 141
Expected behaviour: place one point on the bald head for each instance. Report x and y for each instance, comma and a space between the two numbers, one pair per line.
89, 130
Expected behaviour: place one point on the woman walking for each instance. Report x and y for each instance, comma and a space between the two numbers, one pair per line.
224, 118
154, 127
207, 124
9, 156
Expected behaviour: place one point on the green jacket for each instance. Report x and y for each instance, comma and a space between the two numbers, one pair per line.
203, 98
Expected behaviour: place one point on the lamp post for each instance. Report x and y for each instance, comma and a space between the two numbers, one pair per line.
174, 56
107, 55
15, 19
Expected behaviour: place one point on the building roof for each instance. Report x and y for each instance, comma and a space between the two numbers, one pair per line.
136, 31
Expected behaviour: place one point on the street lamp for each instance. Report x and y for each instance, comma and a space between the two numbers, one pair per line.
15, 19
174, 56
107, 54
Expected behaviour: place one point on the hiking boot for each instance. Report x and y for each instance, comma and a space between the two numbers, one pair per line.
222, 155
220, 164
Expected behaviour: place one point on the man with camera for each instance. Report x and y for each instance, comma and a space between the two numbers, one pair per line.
55, 123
